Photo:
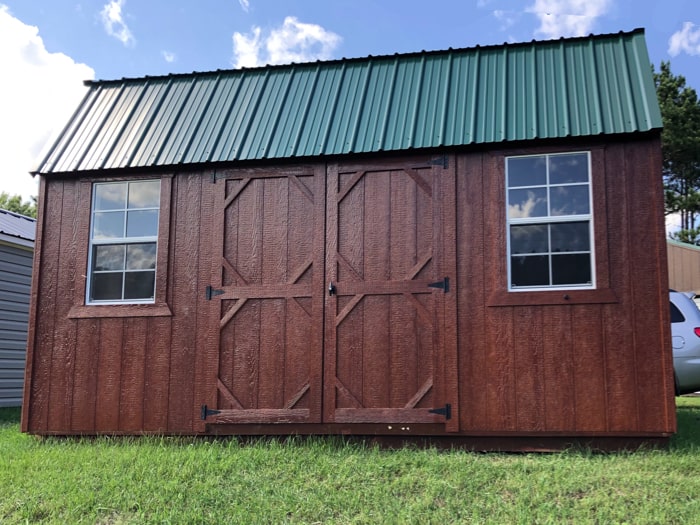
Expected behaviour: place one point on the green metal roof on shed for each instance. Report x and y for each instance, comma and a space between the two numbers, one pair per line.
574, 87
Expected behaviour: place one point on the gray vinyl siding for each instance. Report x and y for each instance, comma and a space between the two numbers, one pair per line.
15, 284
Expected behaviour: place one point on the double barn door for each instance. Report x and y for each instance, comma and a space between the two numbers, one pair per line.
330, 296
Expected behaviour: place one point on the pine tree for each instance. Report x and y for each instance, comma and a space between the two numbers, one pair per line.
680, 144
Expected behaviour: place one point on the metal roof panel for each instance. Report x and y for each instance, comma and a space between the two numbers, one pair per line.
513, 92
16, 225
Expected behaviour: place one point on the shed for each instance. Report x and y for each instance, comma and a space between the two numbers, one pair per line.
683, 266
16, 253
463, 245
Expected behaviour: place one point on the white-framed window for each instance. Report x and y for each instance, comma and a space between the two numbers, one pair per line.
123, 242
550, 222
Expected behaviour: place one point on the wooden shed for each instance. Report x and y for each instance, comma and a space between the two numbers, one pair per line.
464, 244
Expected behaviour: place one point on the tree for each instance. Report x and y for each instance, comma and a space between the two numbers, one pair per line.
14, 203
680, 145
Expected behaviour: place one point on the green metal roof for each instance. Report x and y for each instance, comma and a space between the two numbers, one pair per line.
573, 87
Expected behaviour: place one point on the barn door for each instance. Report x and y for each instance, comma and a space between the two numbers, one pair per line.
268, 288
390, 344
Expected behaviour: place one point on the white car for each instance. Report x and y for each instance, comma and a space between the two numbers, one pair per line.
685, 332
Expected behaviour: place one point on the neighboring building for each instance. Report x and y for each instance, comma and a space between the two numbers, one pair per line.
16, 252
441, 244
683, 266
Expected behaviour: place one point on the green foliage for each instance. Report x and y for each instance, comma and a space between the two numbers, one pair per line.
691, 236
680, 144
327, 480
14, 203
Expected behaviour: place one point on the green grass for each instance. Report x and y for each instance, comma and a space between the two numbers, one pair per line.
187, 480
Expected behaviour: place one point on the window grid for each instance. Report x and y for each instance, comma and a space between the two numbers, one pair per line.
547, 221
125, 241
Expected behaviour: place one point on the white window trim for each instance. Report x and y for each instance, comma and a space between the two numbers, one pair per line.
548, 219
118, 240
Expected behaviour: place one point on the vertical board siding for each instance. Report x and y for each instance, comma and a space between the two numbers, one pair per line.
583, 368
15, 280
47, 274
185, 255
618, 319
64, 341
595, 367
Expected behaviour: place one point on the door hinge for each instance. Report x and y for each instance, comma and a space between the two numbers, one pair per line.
443, 285
208, 412
210, 292
445, 411
440, 161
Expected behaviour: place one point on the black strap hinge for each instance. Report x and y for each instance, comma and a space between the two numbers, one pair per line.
208, 412
210, 292
443, 285
445, 411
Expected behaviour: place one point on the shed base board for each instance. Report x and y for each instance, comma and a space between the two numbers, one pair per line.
398, 436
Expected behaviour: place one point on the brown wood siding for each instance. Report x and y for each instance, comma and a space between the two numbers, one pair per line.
595, 362
557, 367
104, 369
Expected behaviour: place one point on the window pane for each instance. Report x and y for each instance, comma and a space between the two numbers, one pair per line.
141, 256
108, 225
532, 270
531, 238
571, 237
571, 269
139, 285
106, 286
527, 203
142, 223
676, 315
564, 169
569, 200
110, 257
110, 196
144, 194
527, 171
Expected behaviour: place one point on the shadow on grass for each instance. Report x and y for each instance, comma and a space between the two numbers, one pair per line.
10, 415
686, 439
688, 417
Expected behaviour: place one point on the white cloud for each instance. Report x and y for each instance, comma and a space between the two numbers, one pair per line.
294, 41
687, 40
169, 56
246, 48
38, 94
567, 17
506, 18
245, 4
114, 23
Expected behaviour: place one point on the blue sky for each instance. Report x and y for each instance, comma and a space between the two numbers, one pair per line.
48, 47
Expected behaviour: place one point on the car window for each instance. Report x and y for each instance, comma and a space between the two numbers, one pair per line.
676, 315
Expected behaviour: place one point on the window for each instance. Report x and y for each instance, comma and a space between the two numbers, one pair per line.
676, 315
549, 221
123, 242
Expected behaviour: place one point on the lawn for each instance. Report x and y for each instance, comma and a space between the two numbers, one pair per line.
188, 480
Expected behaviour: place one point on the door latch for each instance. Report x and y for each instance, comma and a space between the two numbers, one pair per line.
331, 288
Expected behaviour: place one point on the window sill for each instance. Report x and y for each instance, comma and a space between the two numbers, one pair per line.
554, 297
119, 310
